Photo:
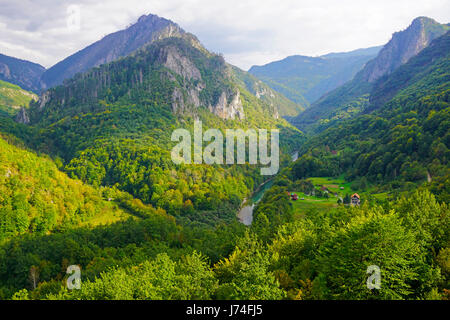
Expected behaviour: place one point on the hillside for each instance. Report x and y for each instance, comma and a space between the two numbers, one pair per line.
352, 98
403, 136
37, 198
20, 72
305, 79
261, 90
12, 98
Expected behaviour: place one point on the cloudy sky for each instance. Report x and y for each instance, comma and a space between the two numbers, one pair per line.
247, 32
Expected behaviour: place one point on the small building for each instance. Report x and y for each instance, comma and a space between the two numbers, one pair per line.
355, 199
294, 196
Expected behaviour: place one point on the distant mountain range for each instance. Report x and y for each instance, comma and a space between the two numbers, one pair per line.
337, 84
353, 97
305, 79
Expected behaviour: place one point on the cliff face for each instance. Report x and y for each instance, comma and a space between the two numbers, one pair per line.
403, 45
177, 72
229, 110
116, 45
22, 116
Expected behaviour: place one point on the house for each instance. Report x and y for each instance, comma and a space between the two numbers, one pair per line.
294, 196
355, 199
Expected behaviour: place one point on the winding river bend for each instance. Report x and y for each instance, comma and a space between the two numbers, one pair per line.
245, 214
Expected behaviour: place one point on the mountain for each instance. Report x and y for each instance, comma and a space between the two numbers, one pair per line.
20, 72
403, 45
12, 97
189, 76
113, 46
147, 29
305, 79
112, 125
402, 138
352, 98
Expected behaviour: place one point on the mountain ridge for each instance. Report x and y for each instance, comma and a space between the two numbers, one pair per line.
111, 47
304, 79
353, 96
20, 72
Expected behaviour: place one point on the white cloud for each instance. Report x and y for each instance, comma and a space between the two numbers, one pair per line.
246, 32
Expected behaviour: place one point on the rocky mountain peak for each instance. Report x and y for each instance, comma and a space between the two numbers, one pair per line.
119, 44
403, 45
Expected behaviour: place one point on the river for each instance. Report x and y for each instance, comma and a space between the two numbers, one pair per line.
245, 214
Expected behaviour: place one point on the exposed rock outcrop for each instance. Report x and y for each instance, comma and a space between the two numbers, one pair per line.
43, 99
171, 58
4, 71
22, 116
403, 46
231, 110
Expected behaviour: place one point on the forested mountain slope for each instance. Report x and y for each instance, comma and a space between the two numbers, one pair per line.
403, 137
35, 197
261, 90
12, 98
353, 97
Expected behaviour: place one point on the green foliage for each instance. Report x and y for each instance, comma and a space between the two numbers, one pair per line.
403, 140
149, 174
326, 254
246, 275
305, 79
13, 97
161, 278
36, 197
